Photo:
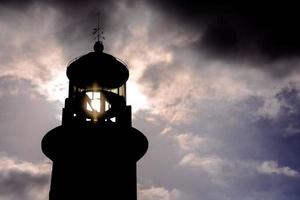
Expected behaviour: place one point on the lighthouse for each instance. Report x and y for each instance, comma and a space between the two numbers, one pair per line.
95, 150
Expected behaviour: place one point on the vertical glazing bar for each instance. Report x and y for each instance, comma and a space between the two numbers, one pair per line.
71, 89
102, 103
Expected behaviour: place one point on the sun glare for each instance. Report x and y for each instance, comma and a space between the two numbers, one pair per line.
57, 90
135, 97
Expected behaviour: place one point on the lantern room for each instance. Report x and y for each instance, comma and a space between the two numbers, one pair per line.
97, 88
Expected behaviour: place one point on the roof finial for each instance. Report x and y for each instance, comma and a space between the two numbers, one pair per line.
99, 30
98, 47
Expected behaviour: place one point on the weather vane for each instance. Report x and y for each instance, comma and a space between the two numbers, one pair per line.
99, 30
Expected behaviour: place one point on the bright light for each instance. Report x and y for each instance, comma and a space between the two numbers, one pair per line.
57, 88
135, 97
95, 101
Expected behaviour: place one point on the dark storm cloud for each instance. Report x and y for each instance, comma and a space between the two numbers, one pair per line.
260, 34
230, 29
247, 32
232, 26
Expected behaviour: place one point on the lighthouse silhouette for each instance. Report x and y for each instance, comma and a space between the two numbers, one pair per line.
95, 150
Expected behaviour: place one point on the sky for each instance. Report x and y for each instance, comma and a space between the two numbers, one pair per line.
214, 86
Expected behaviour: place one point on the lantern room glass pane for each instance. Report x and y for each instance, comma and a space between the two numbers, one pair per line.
119, 91
122, 91
94, 104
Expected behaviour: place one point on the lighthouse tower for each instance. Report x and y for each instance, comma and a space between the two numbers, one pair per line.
95, 150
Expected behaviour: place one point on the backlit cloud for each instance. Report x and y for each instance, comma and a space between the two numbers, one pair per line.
272, 167
23, 180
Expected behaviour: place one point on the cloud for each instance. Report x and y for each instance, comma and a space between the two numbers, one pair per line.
25, 114
210, 164
188, 141
232, 30
235, 139
33, 55
157, 193
270, 108
155, 60
272, 167
287, 109
23, 180
228, 32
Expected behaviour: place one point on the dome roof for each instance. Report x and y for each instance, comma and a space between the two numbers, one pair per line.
97, 68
